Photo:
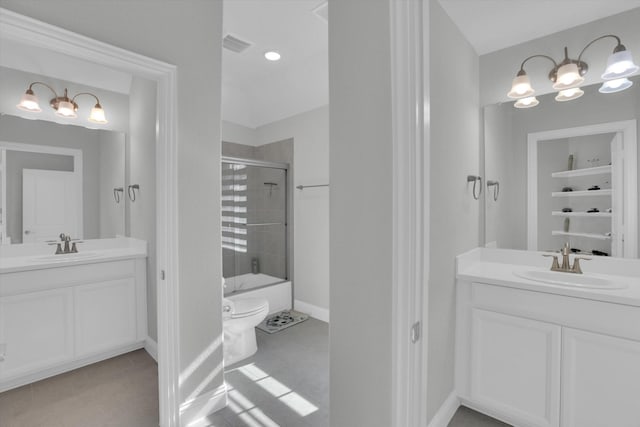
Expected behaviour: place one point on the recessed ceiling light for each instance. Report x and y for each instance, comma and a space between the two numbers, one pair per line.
272, 56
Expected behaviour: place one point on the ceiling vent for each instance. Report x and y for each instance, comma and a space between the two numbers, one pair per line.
322, 10
234, 44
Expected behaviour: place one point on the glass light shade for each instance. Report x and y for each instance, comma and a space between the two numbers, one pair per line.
29, 102
521, 87
619, 64
617, 85
97, 115
568, 77
526, 102
569, 94
66, 109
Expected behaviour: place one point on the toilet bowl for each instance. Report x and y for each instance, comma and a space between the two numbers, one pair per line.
241, 316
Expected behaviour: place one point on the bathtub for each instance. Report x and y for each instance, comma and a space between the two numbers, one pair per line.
276, 291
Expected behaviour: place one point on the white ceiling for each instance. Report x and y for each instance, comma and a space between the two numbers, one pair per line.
491, 25
256, 91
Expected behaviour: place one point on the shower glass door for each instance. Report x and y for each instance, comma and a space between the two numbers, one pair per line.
254, 224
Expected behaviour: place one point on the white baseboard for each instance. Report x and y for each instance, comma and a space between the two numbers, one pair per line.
446, 411
194, 413
312, 310
152, 348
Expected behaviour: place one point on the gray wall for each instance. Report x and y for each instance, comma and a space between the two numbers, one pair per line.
310, 219
193, 45
112, 153
498, 69
360, 213
141, 170
499, 166
13, 84
454, 224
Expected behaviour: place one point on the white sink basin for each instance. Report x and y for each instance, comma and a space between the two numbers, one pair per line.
587, 281
78, 256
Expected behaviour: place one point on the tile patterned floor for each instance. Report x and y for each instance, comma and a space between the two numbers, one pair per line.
285, 384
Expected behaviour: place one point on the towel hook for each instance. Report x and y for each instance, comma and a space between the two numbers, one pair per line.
132, 191
496, 189
116, 193
475, 179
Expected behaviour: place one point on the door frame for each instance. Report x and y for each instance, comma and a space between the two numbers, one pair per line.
32, 32
411, 195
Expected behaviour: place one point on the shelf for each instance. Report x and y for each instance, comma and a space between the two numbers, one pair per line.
598, 170
587, 235
583, 214
585, 193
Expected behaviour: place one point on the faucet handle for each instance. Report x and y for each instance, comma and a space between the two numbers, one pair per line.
554, 265
576, 264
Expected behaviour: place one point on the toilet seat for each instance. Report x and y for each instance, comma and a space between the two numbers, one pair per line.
245, 307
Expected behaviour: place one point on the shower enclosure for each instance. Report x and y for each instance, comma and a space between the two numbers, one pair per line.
254, 224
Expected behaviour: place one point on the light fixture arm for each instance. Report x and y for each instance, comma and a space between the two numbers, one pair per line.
30, 90
86, 93
619, 47
521, 72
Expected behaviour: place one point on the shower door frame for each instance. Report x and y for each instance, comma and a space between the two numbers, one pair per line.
285, 168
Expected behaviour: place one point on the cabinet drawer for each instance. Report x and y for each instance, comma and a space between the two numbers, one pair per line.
38, 280
602, 317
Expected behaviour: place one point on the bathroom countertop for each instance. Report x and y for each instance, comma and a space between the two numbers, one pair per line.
482, 265
40, 256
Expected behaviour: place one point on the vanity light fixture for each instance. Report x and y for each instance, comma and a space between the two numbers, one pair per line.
568, 75
65, 107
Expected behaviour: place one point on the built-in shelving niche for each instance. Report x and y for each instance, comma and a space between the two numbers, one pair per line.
583, 189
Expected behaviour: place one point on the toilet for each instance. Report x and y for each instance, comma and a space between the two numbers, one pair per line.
241, 316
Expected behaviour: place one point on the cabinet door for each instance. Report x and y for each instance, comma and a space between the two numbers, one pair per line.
36, 331
105, 315
515, 366
600, 380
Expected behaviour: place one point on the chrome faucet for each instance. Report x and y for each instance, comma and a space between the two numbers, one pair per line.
65, 239
566, 265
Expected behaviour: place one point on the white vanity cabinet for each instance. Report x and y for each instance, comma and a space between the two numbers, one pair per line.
536, 359
515, 366
35, 331
600, 380
62, 317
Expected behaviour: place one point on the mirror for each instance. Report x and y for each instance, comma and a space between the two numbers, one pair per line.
60, 179
522, 154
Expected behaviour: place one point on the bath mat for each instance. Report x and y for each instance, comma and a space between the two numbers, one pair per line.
282, 320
